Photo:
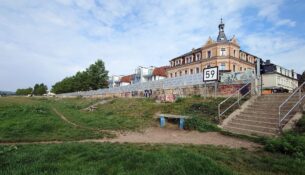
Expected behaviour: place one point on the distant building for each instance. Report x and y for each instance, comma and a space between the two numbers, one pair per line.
126, 80
276, 77
159, 73
114, 81
143, 74
224, 53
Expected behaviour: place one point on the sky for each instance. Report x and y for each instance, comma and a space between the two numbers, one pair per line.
43, 41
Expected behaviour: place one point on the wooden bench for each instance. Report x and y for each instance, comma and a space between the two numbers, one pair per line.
180, 117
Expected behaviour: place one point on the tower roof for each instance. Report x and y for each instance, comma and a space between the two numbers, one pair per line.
221, 35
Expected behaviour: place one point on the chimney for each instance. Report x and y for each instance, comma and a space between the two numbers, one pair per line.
268, 62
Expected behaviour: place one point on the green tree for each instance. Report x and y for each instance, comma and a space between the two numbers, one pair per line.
94, 77
40, 89
98, 75
26, 91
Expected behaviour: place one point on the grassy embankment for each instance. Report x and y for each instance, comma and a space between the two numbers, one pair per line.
33, 119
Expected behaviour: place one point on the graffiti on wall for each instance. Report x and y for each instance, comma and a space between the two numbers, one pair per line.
237, 76
148, 93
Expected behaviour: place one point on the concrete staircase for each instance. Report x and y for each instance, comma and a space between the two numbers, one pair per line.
260, 116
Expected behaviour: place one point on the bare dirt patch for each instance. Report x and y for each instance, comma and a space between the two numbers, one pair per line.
167, 136
175, 136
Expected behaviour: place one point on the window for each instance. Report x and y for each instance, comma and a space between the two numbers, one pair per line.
208, 65
234, 53
185, 72
180, 73
241, 69
198, 56
222, 66
175, 74
223, 52
171, 75
209, 54
191, 71
197, 70
234, 68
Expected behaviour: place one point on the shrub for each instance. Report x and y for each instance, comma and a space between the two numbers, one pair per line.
289, 144
300, 126
292, 143
199, 124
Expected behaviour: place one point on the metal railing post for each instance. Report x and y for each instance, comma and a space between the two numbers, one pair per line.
238, 94
300, 96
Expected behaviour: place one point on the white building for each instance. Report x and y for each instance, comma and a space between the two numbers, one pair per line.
275, 77
114, 81
143, 74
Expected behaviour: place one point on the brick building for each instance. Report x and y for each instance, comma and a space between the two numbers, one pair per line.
223, 53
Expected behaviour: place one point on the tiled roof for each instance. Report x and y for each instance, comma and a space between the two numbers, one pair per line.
160, 71
127, 78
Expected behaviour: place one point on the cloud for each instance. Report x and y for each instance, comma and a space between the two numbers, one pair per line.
47, 41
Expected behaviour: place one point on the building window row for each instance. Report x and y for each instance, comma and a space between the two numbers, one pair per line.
186, 72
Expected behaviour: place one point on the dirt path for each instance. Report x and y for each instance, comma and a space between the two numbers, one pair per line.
166, 136
80, 126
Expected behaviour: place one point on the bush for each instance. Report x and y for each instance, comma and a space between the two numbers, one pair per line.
300, 126
199, 124
207, 108
292, 143
288, 144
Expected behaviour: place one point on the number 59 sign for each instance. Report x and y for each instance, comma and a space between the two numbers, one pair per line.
210, 74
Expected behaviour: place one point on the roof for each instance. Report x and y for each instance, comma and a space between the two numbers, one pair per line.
126, 79
160, 71
188, 53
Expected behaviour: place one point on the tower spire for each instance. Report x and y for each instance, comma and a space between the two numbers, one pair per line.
221, 36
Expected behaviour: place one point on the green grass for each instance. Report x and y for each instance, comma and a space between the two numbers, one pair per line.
106, 158
33, 119
26, 119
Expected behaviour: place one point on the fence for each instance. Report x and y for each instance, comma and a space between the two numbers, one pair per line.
169, 83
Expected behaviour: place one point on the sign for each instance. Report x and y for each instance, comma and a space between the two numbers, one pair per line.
210, 74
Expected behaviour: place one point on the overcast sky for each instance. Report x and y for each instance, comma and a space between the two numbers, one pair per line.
43, 41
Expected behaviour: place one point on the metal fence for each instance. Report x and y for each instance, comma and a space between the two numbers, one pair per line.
169, 83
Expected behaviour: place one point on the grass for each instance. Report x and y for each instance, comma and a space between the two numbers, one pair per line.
33, 119
291, 143
106, 158
26, 119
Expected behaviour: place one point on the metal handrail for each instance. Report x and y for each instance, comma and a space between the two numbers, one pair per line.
298, 90
237, 101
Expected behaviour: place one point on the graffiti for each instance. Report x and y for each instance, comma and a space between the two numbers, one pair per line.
148, 93
166, 98
134, 93
237, 76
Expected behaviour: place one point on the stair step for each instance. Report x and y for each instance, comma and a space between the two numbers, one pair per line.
247, 131
265, 114
253, 127
255, 122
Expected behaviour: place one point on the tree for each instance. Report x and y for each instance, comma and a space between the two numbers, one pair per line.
40, 89
98, 76
94, 77
26, 91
